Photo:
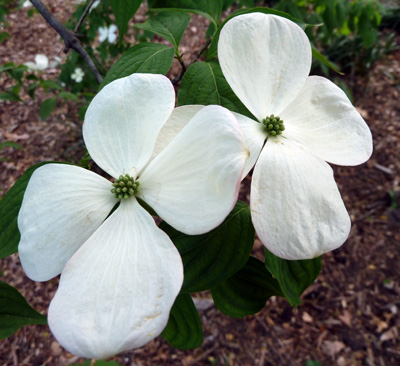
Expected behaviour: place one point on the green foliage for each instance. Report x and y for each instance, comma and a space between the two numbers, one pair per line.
210, 258
313, 363
15, 312
46, 108
204, 83
144, 57
293, 276
209, 9
246, 292
97, 363
169, 24
123, 12
184, 330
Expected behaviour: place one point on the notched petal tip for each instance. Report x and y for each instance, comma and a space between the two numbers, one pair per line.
296, 206
132, 274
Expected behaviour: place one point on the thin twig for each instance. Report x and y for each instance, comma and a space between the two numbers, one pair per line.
202, 49
70, 38
195, 58
86, 12
183, 69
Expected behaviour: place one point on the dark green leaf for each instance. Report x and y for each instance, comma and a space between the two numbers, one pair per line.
144, 57
204, 83
246, 292
123, 12
97, 363
293, 276
184, 329
47, 107
10, 144
321, 58
15, 312
313, 363
169, 24
32, 89
212, 52
210, 9
32, 77
50, 84
9, 208
10, 96
211, 258
68, 95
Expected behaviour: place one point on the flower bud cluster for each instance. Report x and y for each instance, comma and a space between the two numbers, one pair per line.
125, 187
273, 125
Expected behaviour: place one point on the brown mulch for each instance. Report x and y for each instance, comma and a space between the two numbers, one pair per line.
349, 316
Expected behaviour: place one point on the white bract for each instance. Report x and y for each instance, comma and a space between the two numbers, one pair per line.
120, 275
41, 63
109, 33
295, 204
78, 75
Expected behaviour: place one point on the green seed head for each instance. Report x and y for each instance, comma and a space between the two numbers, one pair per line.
124, 187
273, 125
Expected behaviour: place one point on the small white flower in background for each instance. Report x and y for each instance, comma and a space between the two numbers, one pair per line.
109, 33
57, 60
295, 204
78, 75
27, 4
41, 63
120, 275
94, 5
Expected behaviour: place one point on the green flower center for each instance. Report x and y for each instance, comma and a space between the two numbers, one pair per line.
273, 125
125, 187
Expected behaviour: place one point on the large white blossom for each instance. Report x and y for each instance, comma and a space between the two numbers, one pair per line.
121, 274
295, 204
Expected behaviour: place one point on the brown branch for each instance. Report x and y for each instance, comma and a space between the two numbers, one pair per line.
195, 58
202, 49
86, 12
70, 38
183, 69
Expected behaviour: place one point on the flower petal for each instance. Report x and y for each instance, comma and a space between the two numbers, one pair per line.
179, 118
253, 133
323, 119
254, 136
42, 62
194, 182
116, 292
63, 205
265, 59
103, 34
124, 119
295, 204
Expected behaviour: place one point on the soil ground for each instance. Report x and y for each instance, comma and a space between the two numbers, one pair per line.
349, 316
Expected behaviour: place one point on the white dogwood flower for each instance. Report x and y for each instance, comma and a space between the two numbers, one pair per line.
120, 275
109, 33
41, 63
302, 123
78, 75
